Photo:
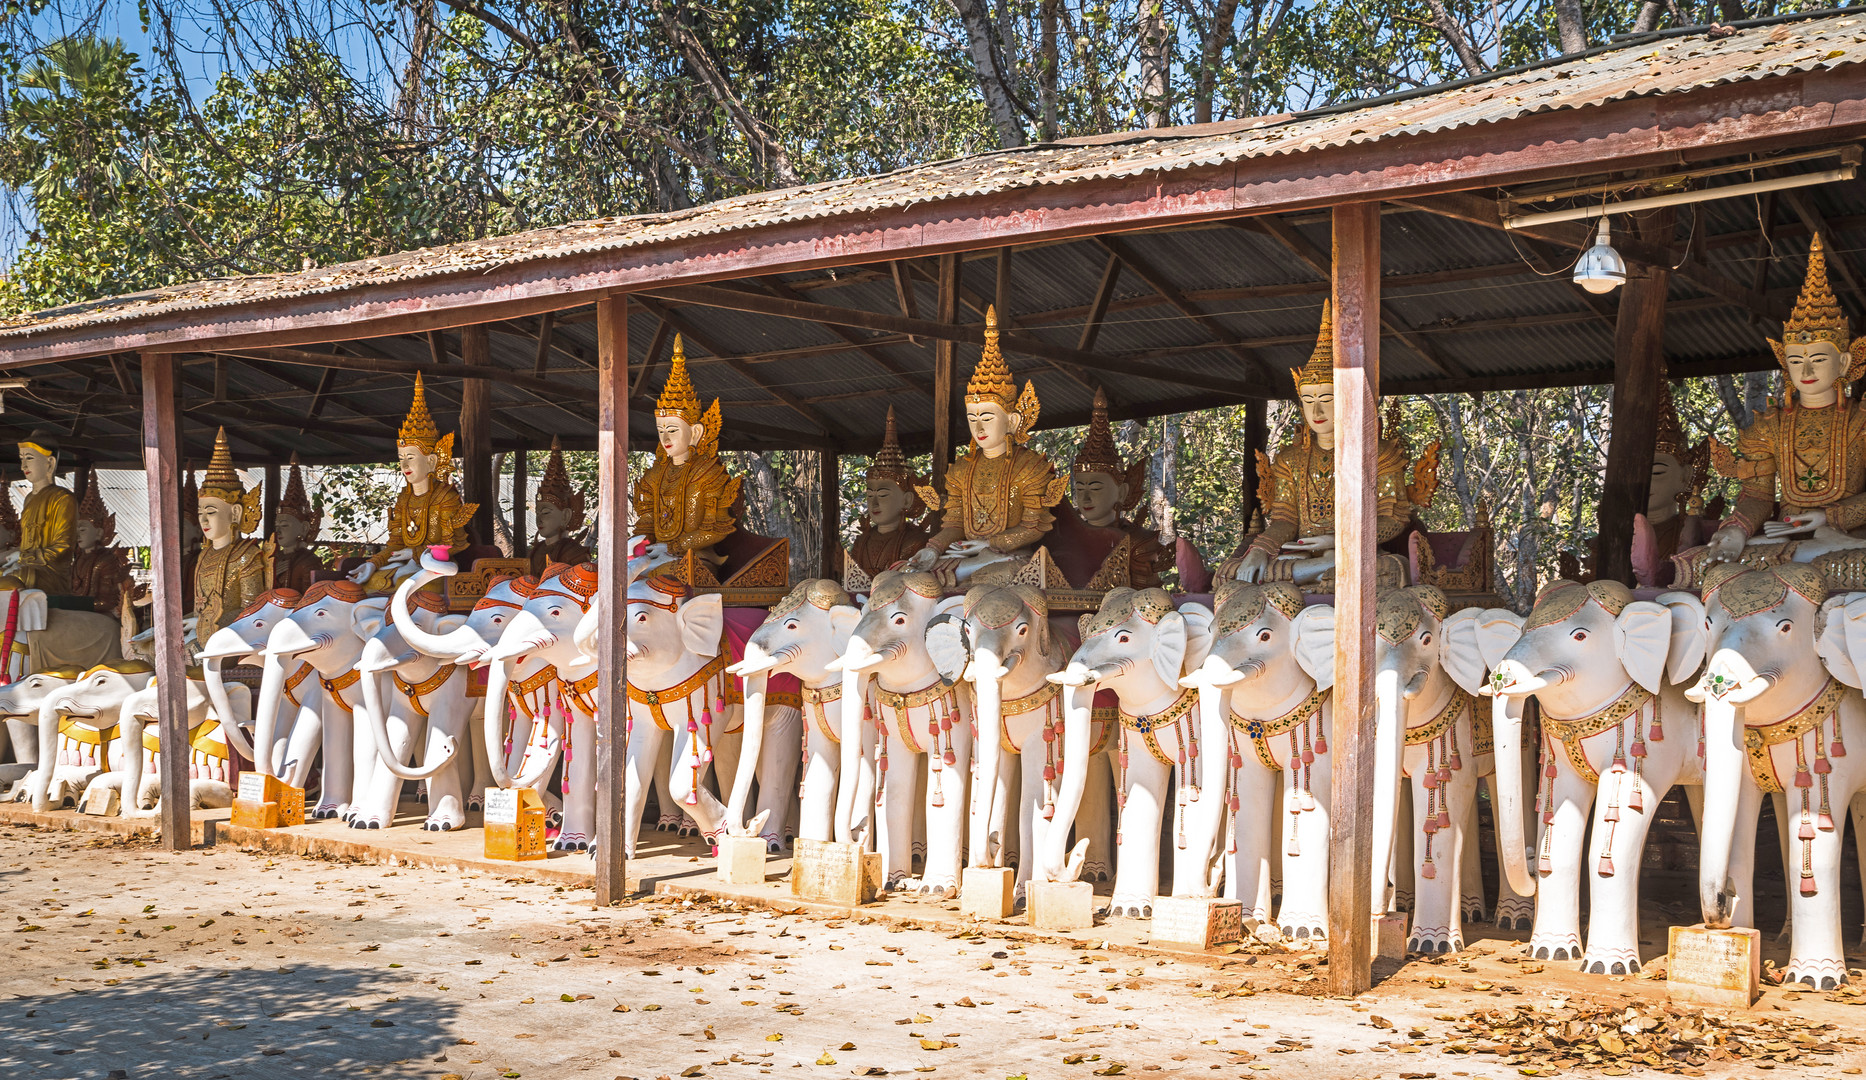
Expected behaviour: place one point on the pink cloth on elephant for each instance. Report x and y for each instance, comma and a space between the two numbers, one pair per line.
740, 623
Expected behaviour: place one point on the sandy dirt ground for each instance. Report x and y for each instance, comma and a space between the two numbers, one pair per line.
124, 961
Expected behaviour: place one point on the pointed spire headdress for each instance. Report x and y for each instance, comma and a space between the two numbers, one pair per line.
991, 381
1099, 454
678, 399
891, 464
294, 501
93, 510
223, 482
1320, 370
419, 431
1817, 317
557, 489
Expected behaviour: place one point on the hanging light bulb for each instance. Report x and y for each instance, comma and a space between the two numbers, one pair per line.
1601, 269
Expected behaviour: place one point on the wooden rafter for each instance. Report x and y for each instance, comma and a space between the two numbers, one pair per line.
705, 341
882, 360
1156, 281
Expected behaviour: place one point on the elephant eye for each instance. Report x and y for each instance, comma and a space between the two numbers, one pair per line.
1123, 637
1785, 626
1264, 635
1425, 638
1579, 635
791, 625
641, 616
557, 613
900, 620
1022, 629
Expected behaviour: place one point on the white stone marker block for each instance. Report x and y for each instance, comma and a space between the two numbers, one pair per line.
741, 860
1060, 905
831, 872
987, 892
1721, 968
1200, 923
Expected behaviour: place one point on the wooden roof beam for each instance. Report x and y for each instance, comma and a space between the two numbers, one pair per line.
1007, 320
1837, 256
1098, 307
705, 341
881, 359
1156, 281
410, 368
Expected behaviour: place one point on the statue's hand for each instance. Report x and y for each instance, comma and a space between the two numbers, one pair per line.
923, 559
1726, 544
965, 549
1795, 524
362, 574
1255, 564
1309, 545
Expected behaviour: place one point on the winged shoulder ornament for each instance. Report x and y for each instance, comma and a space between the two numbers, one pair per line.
444, 455
1723, 459
1028, 409
250, 509
709, 444
1053, 493
928, 495
1424, 477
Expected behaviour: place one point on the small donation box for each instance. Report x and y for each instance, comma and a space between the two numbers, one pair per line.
266, 802
514, 824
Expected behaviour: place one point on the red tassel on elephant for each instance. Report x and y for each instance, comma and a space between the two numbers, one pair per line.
1606, 866
1321, 743
1428, 871
1807, 885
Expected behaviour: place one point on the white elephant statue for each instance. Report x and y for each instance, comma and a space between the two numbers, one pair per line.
56, 637
20, 701
92, 702
1428, 668
1610, 674
319, 644
1778, 721
411, 700
919, 716
209, 766
801, 637
1029, 745
537, 662
243, 641
1266, 704
1140, 647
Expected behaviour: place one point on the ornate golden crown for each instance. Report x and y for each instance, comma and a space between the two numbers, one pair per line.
418, 428
1817, 315
1320, 370
223, 483
93, 510
1099, 454
890, 463
677, 397
295, 502
557, 489
991, 379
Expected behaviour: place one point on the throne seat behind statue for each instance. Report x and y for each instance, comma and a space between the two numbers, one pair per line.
755, 570
1462, 563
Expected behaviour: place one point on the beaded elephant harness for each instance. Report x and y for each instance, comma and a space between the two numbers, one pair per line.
1443, 756
1635, 703
1758, 744
1308, 739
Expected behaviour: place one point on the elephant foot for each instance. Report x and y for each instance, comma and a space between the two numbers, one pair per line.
901, 881
324, 813
774, 844
1819, 974
1131, 907
668, 822
1623, 961
436, 826
1516, 913
475, 802
1094, 871
938, 888
571, 842
1303, 926
554, 819
1554, 947
1402, 900
1473, 910
1435, 940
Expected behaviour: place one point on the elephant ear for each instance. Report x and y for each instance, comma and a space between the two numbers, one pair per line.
1642, 635
949, 646
1498, 631
1689, 637
1169, 647
1458, 651
1199, 636
1314, 629
702, 623
1840, 637
448, 623
367, 617
842, 620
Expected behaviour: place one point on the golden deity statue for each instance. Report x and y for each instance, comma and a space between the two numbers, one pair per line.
559, 512
294, 530
684, 502
1298, 543
998, 496
47, 538
1802, 466
98, 570
231, 571
894, 523
1096, 547
428, 512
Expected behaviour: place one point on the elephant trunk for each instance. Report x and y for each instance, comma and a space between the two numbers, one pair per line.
375, 708
749, 749
1506, 723
1207, 815
462, 645
497, 753
48, 756
854, 714
1724, 766
223, 708
987, 676
266, 713
1053, 860
1389, 739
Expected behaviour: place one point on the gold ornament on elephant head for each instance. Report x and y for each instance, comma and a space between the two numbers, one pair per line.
420, 432
992, 382
1817, 317
223, 482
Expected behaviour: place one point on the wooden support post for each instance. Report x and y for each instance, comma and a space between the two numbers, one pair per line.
832, 515
476, 435
1256, 438
521, 503
269, 511
1357, 428
162, 462
945, 396
612, 572
1638, 368
80, 481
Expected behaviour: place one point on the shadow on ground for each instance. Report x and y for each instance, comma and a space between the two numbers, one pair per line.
257, 1022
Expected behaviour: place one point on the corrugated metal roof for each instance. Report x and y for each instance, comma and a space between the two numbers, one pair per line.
1646, 68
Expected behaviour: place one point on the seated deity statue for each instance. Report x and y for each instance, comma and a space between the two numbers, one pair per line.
428, 512
231, 571
558, 509
1802, 466
1298, 543
893, 518
1095, 547
48, 521
684, 501
294, 530
98, 570
998, 495
1673, 519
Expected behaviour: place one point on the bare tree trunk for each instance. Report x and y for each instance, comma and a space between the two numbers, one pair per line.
1648, 19
992, 74
1219, 34
764, 146
1155, 61
410, 104
1571, 26
1731, 10
1163, 479
1047, 64
1454, 36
